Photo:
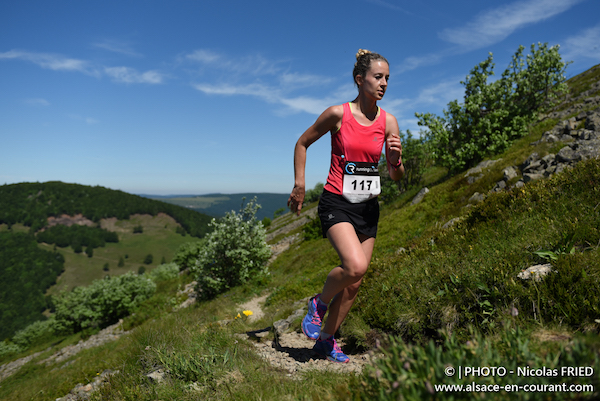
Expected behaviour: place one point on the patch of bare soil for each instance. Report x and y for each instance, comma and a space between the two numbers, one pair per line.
291, 350
68, 221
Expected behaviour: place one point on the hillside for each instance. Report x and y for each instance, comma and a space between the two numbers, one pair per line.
33, 203
218, 204
68, 219
449, 287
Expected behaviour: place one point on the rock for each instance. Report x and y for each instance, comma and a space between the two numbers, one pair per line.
500, 186
534, 165
509, 173
473, 171
528, 177
476, 198
532, 158
592, 121
567, 155
158, 376
536, 272
474, 178
447, 225
419, 197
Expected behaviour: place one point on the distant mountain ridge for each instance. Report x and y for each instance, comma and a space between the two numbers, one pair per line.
217, 205
33, 203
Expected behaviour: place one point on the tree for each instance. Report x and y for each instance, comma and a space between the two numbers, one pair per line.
235, 250
494, 114
148, 259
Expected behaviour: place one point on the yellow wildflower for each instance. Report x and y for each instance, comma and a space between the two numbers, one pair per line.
248, 313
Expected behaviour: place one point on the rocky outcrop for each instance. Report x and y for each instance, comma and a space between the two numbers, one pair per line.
581, 144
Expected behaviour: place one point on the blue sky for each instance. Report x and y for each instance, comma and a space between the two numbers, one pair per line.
196, 97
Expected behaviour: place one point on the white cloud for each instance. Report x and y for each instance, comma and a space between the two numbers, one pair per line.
118, 46
442, 93
414, 62
253, 64
87, 120
132, 76
495, 25
390, 6
60, 63
262, 78
203, 56
586, 44
37, 102
51, 61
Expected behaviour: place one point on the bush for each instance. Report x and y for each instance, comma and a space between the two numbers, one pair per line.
164, 272
24, 338
7, 348
187, 254
415, 372
102, 303
148, 259
234, 251
313, 195
416, 157
494, 114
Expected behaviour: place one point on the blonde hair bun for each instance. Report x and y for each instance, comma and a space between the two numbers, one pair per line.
362, 52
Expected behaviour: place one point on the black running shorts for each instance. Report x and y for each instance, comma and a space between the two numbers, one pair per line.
335, 209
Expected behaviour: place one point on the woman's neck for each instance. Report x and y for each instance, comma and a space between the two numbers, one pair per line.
368, 107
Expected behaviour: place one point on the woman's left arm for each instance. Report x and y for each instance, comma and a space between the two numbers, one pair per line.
393, 148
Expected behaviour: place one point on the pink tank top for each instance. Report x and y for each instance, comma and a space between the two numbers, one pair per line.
354, 142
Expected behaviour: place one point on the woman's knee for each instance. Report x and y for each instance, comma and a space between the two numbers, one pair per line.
356, 268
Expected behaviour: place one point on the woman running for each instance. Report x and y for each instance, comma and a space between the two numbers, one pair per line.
348, 208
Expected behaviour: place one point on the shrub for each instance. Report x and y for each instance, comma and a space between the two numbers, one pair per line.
164, 272
102, 303
415, 372
25, 337
234, 251
148, 259
495, 114
313, 195
187, 254
312, 229
7, 348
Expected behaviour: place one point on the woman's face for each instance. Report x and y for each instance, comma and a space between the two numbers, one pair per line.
374, 83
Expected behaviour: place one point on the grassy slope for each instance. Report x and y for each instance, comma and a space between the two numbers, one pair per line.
158, 239
400, 295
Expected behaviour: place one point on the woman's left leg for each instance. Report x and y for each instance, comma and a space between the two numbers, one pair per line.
343, 300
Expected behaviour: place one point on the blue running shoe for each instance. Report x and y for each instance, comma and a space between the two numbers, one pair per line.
311, 324
330, 350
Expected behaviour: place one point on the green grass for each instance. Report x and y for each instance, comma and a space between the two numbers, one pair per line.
453, 296
158, 238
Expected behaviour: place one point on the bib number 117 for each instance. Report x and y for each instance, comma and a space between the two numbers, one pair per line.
361, 184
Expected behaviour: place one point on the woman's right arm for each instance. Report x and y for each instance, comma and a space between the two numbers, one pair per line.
329, 120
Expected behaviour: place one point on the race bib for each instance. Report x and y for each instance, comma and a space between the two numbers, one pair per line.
361, 181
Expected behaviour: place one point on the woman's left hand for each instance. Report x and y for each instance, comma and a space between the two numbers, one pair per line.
394, 149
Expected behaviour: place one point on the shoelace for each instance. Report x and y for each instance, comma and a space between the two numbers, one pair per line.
317, 317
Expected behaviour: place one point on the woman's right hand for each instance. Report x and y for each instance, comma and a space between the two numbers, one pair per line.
296, 199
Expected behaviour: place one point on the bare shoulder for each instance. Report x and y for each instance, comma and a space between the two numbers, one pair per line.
330, 118
334, 112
